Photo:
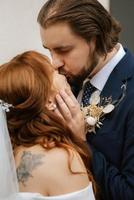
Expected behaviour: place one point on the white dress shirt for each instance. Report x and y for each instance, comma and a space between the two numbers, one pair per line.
100, 78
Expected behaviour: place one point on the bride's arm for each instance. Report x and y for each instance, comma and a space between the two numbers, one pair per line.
47, 172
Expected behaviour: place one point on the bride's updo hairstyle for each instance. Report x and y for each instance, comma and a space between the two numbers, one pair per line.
26, 82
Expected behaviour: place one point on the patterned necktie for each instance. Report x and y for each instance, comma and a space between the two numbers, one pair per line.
87, 91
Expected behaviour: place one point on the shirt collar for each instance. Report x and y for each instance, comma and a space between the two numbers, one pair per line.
100, 79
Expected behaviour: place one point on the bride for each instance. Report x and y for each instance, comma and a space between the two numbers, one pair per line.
50, 162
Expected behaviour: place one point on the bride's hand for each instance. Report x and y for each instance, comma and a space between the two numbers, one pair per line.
69, 109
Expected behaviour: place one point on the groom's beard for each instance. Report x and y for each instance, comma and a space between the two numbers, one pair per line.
77, 80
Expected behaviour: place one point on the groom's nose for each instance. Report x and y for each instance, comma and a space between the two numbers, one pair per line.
57, 61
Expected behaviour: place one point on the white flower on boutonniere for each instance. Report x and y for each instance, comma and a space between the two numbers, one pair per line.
96, 109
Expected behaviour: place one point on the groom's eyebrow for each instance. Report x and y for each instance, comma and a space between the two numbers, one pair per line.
59, 47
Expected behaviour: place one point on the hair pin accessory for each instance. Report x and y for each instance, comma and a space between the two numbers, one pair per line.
5, 106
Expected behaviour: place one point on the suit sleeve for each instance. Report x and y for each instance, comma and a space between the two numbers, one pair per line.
117, 184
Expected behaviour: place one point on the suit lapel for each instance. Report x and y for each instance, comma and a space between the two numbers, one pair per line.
120, 76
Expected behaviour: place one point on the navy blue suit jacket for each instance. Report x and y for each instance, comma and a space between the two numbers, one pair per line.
113, 143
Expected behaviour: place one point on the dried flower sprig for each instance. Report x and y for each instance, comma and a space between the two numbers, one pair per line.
96, 109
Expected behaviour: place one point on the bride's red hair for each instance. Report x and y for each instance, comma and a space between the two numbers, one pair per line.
25, 82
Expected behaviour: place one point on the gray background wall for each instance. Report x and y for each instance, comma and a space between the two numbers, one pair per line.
19, 30
123, 11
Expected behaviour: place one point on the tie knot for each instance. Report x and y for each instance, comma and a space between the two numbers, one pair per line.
88, 89
88, 85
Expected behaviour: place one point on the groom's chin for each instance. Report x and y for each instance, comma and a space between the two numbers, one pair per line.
75, 81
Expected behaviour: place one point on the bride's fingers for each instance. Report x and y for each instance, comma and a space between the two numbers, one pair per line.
58, 113
71, 102
71, 114
70, 93
65, 112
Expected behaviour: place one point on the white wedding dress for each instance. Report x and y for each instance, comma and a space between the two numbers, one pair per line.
84, 194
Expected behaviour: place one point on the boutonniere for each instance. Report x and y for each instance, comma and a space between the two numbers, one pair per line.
98, 107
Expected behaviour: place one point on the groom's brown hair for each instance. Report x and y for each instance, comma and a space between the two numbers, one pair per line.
87, 18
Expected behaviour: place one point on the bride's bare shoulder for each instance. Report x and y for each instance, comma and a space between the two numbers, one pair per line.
44, 171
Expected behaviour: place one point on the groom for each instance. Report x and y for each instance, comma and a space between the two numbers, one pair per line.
82, 38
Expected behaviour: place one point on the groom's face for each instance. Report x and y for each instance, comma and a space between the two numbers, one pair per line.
71, 54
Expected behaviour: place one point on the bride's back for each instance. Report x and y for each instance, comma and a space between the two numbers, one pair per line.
50, 160
47, 171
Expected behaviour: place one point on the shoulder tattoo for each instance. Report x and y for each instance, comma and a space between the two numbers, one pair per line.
28, 163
